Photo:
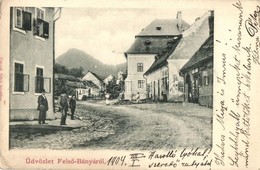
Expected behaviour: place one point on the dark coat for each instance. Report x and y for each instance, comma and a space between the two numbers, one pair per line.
63, 102
42, 103
72, 103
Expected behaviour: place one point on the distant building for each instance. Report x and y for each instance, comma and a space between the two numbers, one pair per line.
148, 43
31, 60
108, 79
163, 80
91, 76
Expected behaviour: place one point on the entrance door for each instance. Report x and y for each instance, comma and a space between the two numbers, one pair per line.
195, 92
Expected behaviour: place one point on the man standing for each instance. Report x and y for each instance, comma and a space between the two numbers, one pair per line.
137, 97
42, 107
73, 106
63, 105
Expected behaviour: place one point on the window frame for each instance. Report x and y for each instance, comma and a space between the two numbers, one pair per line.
36, 14
15, 17
41, 21
35, 83
14, 77
140, 84
140, 67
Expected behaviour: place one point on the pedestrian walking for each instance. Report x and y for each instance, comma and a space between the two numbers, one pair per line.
72, 106
42, 107
63, 105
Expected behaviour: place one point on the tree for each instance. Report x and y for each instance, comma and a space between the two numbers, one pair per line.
58, 68
76, 72
115, 87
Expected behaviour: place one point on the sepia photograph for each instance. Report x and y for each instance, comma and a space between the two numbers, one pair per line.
110, 78
129, 84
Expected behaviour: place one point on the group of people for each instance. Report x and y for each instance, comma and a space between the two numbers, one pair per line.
64, 104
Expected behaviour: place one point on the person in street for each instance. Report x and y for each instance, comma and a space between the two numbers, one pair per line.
63, 105
137, 97
72, 106
107, 98
42, 107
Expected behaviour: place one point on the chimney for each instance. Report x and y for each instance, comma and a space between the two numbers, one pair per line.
179, 20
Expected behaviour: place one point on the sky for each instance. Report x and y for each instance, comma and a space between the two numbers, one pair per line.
106, 33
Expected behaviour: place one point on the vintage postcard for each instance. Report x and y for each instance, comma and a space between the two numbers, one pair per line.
129, 84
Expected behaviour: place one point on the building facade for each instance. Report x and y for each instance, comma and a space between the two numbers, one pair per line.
90, 76
163, 79
141, 55
31, 60
198, 75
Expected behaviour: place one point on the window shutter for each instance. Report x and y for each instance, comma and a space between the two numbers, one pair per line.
27, 19
45, 29
26, 81
47, 84
35, 27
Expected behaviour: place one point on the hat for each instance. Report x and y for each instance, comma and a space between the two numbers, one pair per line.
43, 91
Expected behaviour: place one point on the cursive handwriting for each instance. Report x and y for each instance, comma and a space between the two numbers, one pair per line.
252, 23
236, 47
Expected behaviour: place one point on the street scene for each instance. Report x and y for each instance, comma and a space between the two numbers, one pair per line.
142, 126
95, 79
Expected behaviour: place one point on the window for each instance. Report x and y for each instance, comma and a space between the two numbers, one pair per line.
140, 67
18, 21
39, 80
40, 13
21, 81
165, 79
206, 80
22, 19
42, 82
41, 27
140, 83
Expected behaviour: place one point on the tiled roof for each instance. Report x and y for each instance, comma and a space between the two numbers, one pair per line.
90, 84
194, 37
149, 45
204, 53
162, 27
76, 84
65, 77
163, 55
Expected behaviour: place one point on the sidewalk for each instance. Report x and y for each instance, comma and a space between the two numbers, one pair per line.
52, 124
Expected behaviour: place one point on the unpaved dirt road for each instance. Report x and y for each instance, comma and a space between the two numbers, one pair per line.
137, 126
154, 126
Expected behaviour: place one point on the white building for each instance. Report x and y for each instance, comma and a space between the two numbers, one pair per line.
148, 43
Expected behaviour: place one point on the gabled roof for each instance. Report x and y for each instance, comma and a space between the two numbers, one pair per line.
90, 84
94, 74
163, 55
204, 53
164, 27
194, 37
149, 45
65, 77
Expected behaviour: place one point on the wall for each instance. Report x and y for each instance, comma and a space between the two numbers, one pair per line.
176, 93
32, 51
133, 76
205, 92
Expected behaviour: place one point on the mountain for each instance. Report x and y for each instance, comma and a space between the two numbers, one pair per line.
75, 58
